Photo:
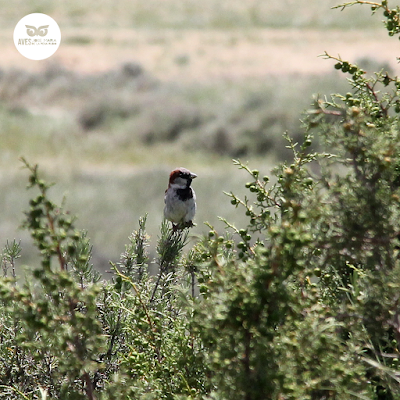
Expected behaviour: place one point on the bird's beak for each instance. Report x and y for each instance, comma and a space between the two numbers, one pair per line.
192, 175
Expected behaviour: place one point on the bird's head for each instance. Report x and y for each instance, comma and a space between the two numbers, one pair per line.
181, 178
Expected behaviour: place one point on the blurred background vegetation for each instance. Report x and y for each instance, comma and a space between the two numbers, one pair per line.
140, 87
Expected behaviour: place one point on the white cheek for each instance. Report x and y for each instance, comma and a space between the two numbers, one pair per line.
179, 183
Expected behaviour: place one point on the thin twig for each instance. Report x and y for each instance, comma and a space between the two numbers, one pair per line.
89, 386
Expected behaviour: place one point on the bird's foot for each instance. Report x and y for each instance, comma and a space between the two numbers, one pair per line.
182, 225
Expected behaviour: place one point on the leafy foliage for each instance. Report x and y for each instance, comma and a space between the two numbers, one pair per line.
302, 303
67, 336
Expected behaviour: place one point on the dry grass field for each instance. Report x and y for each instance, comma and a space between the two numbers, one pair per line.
211, 55
137, 88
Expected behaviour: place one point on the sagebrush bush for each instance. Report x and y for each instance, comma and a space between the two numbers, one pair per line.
301, 303
67, 336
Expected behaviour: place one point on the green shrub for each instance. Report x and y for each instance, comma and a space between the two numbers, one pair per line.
302, 303
67, 336
305, 304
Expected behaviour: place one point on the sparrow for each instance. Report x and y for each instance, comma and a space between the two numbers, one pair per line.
180, 199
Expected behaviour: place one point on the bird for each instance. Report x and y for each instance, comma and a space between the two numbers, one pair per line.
180, 199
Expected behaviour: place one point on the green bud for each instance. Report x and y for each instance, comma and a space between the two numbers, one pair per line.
302, 216
317, 272
266, 213
71, 250
353, 69
76, 236
308, 181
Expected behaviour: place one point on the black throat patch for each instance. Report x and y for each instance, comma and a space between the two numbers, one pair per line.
185, 194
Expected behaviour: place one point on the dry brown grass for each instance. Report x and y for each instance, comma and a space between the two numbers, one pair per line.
208, 55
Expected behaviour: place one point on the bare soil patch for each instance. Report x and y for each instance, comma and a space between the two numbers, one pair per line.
197, 55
